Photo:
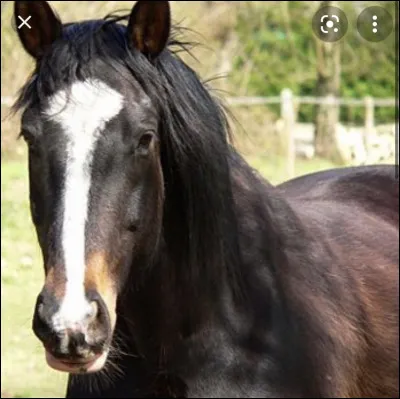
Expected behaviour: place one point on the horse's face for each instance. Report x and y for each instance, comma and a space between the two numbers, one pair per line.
95, 189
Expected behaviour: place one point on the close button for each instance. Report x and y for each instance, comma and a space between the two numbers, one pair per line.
24, 22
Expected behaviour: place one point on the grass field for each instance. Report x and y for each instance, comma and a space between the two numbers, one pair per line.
24, 373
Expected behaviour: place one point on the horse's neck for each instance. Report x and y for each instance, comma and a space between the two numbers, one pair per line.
155, 315
161, 312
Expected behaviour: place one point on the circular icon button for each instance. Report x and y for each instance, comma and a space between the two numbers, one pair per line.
330, 24
375, 24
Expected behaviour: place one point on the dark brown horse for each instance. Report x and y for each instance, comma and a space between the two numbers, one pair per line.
172, 268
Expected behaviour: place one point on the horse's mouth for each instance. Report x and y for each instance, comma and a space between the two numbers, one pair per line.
92, 365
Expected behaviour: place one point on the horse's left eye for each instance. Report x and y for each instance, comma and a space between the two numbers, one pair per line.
144, 143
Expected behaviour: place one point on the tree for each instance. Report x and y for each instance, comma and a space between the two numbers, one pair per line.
328, 85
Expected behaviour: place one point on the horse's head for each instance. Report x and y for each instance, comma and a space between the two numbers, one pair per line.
96, 183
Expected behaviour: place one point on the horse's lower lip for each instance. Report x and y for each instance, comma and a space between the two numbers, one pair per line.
94, 364
80, 363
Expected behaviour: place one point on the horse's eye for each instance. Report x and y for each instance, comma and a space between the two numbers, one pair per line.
28, 137
144, 143
31, 141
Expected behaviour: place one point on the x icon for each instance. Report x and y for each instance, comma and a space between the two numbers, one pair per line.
24, 22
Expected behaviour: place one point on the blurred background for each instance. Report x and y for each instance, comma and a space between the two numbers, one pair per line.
298, 105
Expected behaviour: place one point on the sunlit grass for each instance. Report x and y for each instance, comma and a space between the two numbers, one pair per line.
24, 372
274, 168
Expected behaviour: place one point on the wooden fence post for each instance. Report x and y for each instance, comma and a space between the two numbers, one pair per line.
288, 117
369, 122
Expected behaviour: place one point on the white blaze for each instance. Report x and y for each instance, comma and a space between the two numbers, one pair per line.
82, 116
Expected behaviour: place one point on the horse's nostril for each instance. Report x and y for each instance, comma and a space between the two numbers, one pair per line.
94, 310
40, 311
45, 306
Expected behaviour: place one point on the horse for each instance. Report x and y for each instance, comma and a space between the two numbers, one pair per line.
172, 267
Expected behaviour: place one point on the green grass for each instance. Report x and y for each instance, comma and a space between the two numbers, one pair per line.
275, 170
24, 372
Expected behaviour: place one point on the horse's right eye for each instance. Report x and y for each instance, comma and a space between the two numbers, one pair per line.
27, 136
31, 141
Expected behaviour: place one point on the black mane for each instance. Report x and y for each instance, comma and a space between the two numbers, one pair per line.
200, 228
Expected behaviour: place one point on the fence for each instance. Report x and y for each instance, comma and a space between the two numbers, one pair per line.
362, 144
299, 137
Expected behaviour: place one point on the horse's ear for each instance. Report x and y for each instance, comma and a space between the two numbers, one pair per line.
149, 27
44, 26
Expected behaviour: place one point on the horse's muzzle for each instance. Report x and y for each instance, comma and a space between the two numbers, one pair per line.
77, 345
